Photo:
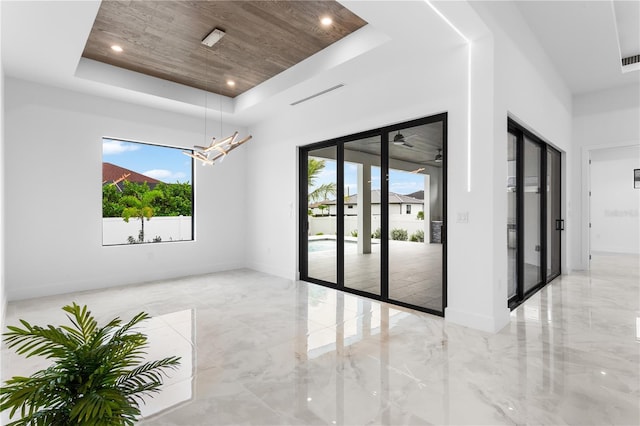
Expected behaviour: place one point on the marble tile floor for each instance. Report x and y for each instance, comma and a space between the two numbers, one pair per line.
263, 350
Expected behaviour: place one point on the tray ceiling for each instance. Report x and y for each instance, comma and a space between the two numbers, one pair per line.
263, 38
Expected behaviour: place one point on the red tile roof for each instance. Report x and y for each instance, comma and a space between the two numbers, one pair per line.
111, 173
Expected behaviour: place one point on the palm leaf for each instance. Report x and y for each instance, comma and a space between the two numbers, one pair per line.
97, 377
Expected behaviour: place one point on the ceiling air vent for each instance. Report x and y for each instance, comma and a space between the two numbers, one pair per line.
330, 89
630, 60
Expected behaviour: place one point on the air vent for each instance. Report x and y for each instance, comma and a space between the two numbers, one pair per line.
630, 60
330, 89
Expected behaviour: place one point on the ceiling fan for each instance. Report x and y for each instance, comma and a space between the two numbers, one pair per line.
438, 157
399, 139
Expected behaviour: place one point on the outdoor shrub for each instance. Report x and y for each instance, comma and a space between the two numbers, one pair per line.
377, 234
399, 234
320, 233
420, 216
354, 233
418, 236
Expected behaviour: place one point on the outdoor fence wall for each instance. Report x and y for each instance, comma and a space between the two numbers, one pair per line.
169, 228
327, 224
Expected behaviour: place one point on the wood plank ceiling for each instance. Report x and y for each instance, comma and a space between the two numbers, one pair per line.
263, 38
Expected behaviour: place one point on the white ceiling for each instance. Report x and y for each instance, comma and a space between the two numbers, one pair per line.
42, 41
627, 15
581, 39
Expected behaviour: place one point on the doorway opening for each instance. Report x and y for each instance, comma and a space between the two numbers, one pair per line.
614, 197
373, 213
534, 213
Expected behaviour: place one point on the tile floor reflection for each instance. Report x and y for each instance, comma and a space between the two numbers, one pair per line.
267, 351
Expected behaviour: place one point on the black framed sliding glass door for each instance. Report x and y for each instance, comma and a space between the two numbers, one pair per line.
321, 184
361, 214
415, 216
531, 217
382, 232
555, 223
534, 219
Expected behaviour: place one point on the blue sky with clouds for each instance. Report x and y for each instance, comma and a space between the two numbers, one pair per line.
399, 182
168, 165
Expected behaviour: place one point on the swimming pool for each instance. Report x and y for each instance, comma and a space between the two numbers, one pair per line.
321, 245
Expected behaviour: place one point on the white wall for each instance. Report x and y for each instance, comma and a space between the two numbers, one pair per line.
516, 80
53, 147
272, 163
615, 204
604, 119
477, 252
3, 298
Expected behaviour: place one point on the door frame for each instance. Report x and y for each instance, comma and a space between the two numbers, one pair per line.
585, 188
521, 133
303, 222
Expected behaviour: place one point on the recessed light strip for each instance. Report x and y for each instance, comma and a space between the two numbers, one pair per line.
466, 40
445, 19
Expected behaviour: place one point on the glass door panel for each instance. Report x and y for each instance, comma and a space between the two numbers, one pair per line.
532, 222
415, 206
555, 224
512, 216
322, 261
362, 214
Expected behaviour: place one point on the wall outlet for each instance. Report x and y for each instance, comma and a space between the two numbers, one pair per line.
462, 217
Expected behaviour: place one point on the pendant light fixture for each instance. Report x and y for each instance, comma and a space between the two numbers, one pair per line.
217, 150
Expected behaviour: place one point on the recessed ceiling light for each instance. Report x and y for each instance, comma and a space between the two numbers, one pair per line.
116, 48
326, 21
231, 83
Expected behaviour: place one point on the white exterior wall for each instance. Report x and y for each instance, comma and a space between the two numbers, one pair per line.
375, 209
327, 225
169, 228
53, 138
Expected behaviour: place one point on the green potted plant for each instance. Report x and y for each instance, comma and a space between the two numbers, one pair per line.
97, 376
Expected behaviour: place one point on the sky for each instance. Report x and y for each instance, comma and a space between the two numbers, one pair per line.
168, 165
399, 182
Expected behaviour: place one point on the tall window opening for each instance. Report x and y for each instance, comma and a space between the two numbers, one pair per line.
147, 193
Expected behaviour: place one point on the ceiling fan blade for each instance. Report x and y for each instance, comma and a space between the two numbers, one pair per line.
407, 144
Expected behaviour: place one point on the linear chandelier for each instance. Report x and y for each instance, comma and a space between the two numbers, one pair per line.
216, 150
